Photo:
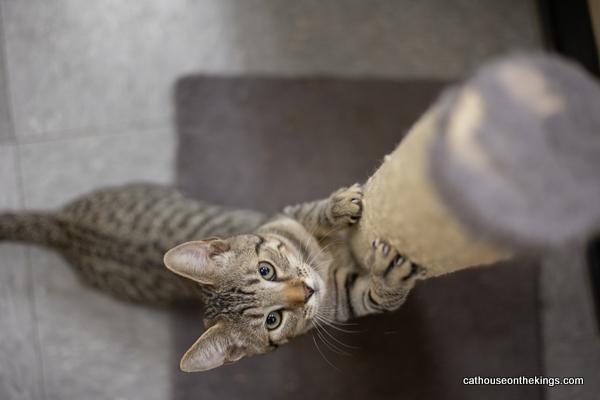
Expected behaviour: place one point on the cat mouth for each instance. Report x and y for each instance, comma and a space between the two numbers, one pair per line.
316, 284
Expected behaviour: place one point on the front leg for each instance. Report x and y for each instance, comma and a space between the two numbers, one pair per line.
384, 288
323, 217
392, 276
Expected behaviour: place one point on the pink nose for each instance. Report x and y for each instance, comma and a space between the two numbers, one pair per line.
296, 293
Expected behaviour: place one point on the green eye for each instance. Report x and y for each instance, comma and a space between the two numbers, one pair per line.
267, 271
273, 320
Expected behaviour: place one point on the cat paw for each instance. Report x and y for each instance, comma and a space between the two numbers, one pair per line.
391, 267
346, 205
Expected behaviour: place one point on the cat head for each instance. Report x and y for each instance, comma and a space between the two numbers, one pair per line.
261, 291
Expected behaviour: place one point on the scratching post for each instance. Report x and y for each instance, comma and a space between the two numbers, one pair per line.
507, 161
403, 206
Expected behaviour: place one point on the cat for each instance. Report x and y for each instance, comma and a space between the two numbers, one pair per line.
263, 280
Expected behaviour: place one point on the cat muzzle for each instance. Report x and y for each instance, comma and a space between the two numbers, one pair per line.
297, 293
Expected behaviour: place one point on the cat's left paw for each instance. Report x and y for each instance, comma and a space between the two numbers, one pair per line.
346, 205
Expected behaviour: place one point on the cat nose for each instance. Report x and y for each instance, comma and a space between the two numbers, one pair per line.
296, 293
308, 291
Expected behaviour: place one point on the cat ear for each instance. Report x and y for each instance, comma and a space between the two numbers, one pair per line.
213, 349
193, 260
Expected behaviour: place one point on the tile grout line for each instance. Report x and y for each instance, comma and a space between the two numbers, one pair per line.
30, 277
21, 203
115, 130
36, 330
4, 61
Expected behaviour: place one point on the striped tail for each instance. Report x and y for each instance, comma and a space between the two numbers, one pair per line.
38, 228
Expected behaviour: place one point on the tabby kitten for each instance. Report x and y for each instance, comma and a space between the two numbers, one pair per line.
264, 281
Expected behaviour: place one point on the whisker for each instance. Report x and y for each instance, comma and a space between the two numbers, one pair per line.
338, 341
330, 324
323, 355
321, 249
339, 323
330, 345
335, 322
314, 256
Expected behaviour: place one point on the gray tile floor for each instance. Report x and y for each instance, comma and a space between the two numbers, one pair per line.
79, 69
85, 101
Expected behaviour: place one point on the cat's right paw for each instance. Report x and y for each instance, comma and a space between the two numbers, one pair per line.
346, 205
391, 268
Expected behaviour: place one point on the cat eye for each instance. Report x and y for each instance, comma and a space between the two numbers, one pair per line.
273, 320
267, 271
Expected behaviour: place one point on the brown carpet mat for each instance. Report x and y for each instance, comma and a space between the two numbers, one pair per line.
263, 143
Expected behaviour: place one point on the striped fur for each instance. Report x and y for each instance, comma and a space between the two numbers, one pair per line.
115, 239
